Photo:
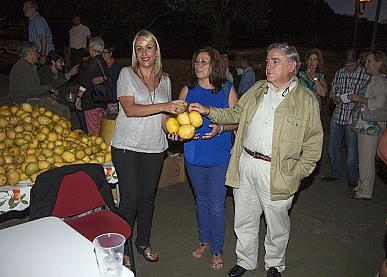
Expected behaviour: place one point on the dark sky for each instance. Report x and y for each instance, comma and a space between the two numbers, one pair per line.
348, 7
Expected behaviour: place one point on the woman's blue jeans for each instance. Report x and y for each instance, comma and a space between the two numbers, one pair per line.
337, 133
210, 192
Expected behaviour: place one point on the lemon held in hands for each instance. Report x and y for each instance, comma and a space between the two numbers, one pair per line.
195, 118
186, 131
172, 125
183, 118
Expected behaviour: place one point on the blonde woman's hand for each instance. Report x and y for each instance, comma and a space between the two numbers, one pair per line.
174, 107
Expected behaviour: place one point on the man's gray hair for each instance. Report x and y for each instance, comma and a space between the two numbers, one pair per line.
24, 48
97, 44
290, 51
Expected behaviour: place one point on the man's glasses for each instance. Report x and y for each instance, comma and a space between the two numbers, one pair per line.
201, 62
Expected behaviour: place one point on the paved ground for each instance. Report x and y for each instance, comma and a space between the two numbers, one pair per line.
331, 235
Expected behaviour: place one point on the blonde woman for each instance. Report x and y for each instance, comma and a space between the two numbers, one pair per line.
139, 140
372, 98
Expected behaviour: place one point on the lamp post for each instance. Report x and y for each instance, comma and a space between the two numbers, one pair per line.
359, 10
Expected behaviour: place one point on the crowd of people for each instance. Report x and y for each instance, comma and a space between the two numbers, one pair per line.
260, 138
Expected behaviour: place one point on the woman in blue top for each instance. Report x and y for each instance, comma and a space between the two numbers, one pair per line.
312, 77
207, 155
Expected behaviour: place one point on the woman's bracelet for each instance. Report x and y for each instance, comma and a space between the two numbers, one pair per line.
221, 129
207, 114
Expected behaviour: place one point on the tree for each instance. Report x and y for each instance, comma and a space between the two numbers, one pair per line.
219, 15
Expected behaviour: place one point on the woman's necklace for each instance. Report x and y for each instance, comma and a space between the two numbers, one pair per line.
152, 97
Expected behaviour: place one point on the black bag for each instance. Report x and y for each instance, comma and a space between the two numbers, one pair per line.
101, 90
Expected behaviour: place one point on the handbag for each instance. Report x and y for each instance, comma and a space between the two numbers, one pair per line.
101, 90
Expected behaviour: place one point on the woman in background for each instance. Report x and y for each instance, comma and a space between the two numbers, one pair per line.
312, 77
368, 132
92, 69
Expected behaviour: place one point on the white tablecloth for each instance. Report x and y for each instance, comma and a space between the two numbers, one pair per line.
17, 198
47, 247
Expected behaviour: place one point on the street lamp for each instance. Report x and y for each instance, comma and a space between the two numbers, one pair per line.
359, 9
362, 6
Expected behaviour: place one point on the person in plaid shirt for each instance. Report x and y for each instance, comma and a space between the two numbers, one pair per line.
348, 80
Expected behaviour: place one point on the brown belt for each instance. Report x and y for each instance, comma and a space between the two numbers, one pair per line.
257, 155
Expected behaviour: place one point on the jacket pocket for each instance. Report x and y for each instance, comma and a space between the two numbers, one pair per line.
293, 129
291, 174
292, 136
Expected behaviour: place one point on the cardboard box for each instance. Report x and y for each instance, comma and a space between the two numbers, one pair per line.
173, 170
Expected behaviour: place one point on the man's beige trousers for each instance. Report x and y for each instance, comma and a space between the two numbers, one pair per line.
251, 200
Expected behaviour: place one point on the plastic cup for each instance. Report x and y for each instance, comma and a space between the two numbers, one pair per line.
109, 250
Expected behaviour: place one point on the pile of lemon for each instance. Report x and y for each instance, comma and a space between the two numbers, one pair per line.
184, 124
33, 140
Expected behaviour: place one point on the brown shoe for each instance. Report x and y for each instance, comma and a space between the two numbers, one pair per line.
200, 249
217, 261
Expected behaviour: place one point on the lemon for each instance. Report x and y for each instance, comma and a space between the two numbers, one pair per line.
31, 168
3, 123
186, 131
80, 154
3, 179
172, 125
27, 107
68, 157
195, 118
13, 177
183, 118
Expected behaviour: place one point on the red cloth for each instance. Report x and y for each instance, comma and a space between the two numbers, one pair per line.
93, 120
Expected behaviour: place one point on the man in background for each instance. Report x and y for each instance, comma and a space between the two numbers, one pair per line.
38, 30
248, 76
79, 36
347, 80
231, 73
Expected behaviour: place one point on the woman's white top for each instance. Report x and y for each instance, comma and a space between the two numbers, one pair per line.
140, 134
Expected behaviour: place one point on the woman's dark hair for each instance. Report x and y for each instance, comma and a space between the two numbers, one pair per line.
218, 72
54, 56
319, 55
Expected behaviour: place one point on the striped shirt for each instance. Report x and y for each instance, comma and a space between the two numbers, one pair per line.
347, 82
38, 26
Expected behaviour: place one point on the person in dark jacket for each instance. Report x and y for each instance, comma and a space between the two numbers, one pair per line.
52, 74
92, 69
113, 74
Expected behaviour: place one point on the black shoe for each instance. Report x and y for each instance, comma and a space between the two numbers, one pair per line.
149, 256
236, 271
273, 272
352, 184
328, 179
